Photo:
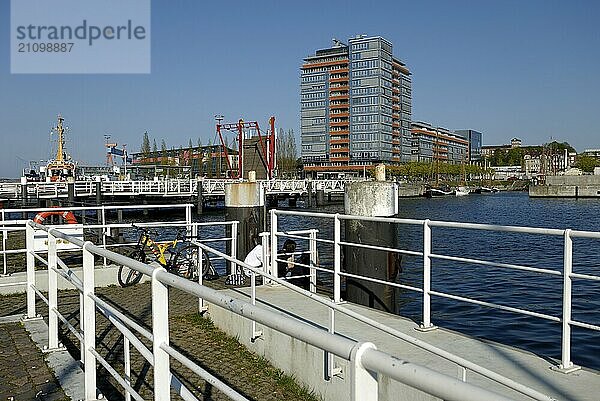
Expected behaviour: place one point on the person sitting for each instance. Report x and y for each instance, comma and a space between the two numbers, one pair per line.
287, 254
254, 258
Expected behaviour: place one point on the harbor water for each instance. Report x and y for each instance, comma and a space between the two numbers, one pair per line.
519, 289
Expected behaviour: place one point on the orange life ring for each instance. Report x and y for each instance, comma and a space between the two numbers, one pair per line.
67, 216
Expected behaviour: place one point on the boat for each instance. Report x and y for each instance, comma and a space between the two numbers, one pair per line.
62, 167
436, 192
483, 190
462, 191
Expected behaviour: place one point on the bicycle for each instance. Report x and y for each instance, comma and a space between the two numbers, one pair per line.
177, 256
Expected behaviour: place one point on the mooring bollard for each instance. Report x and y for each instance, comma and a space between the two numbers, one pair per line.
244, 202
371, 199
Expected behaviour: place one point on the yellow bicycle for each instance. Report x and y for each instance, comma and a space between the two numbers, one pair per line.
178, 256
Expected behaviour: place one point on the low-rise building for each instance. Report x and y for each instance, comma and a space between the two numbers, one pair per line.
431, 143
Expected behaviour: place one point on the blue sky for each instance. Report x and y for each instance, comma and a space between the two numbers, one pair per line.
506, 68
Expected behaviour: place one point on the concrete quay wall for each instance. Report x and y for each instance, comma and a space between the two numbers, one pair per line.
564, 191
305, 362
566, 186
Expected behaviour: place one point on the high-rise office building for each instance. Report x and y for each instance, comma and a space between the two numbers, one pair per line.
474, 138
355, 107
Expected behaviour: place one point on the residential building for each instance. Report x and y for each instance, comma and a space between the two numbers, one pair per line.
355, 107
595, 153
431, 143
475, 139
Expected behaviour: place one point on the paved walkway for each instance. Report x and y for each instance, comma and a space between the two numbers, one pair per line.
193, 335
24, 374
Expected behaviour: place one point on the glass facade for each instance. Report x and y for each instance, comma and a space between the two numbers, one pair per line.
355, 107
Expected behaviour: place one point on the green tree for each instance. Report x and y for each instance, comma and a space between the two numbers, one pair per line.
287, 153
586, 163
154, 148
145, 148
163, 151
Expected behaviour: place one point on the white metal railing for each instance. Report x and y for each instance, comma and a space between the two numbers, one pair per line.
428, 255
165, 188
14, 226
269, 274
366, 362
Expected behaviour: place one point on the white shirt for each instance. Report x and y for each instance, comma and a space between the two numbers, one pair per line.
254, 258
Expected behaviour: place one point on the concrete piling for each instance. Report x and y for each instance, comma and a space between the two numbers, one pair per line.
24, 192
98, 193
372, 199
199, 197
244, 202
71, 191
309, 199
320, 198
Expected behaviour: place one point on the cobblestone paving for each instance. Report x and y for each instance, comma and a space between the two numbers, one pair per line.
191, 334
24, 374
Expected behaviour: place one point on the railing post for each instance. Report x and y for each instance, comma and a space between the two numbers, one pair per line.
363, 381
201, 307
234, 245
52, 293
264, 238
566, 364
89, 324
105, 232
337, 259
160, 332
330, 371
426, 325
312, 246
127, 363
4, 236
188, 220
273, 247
255, 333
29, 234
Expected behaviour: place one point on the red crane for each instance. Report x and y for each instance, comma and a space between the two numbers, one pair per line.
266, 144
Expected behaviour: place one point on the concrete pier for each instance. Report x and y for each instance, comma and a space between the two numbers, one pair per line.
372, 199
305, 362
583, 186
244, 202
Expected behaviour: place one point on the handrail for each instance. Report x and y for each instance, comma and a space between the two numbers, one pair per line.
428, 255
363, 356
387, 329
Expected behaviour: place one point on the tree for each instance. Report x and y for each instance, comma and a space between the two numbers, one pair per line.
145, 149
154, 148
163, 152
586, 163
200, 158
190, 146
287, 153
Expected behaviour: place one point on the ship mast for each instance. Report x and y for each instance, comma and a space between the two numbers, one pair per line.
61, 140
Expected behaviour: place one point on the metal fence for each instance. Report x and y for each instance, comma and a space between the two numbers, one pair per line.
428, 255
101, 224
367, 363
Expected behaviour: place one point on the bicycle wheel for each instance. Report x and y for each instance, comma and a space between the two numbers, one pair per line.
127, 276
186, 263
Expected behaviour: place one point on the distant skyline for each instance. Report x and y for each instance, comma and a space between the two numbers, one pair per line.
507, 69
